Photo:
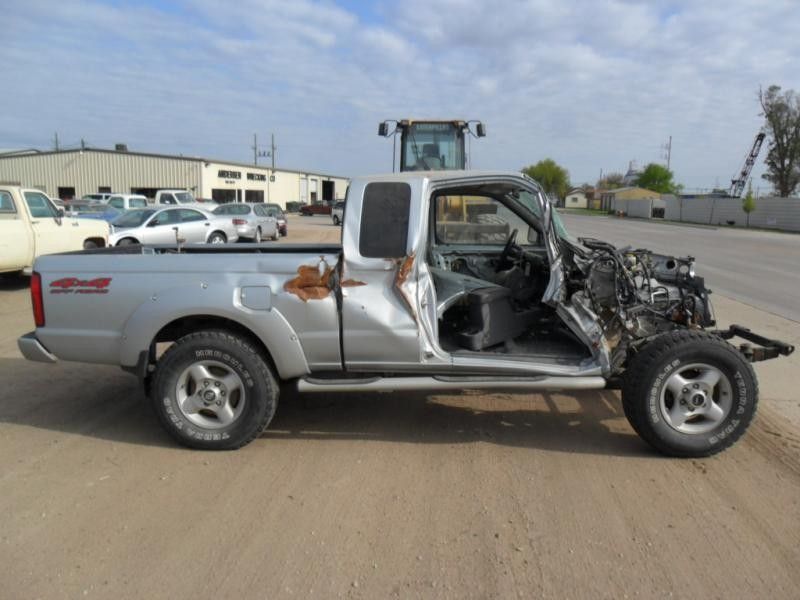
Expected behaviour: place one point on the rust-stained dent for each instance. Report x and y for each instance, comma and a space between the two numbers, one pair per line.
352, 283
315, 282
403, 270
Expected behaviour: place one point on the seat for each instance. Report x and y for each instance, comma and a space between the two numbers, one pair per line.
430, 161
492, 319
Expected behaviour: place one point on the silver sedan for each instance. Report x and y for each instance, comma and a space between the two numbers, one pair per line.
167, 225
251, 219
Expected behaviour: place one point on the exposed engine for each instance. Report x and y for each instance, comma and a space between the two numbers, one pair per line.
637, 293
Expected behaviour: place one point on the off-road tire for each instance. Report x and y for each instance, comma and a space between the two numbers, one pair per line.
648, 372
241, 357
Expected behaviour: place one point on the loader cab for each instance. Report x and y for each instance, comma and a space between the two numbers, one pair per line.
431, 145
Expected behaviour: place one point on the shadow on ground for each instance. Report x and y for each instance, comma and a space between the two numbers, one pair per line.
12, 283
105, 403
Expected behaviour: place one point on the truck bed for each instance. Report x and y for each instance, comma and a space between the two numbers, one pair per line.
106, 305
216, 249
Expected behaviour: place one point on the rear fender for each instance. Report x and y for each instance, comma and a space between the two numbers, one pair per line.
268, 324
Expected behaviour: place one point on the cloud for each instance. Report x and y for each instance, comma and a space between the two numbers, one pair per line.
590, 84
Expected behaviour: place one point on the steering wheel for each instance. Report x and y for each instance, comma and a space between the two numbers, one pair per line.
512, 237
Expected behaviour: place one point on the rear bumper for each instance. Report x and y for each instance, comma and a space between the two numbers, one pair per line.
32, 349
246, 231
757, 347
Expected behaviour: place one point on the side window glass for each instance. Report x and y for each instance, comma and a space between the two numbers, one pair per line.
116, 203
168, 217
187, 216
38, 205
6, 203
138, 203
384, 220
477, 220
168, 199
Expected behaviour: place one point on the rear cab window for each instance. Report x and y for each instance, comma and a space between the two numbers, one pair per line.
7, 206
384, 220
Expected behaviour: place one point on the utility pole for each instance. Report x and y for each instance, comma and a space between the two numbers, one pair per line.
668, 149
272, 150
257, 152
55, 141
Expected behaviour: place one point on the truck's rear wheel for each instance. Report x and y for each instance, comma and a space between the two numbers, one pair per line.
689, 393
214, 391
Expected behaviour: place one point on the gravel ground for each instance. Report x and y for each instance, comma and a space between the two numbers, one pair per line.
468, 495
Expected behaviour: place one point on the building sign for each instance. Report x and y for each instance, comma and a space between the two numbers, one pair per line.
256, 177
229, 174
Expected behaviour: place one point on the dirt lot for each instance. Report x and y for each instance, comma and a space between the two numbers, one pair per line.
386, 495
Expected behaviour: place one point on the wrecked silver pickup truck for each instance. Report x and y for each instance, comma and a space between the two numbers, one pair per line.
443, 280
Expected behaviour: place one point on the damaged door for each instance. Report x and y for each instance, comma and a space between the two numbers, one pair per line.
379, 322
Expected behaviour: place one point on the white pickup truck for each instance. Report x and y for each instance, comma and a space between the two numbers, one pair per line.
181, 198
444, 280
31, 226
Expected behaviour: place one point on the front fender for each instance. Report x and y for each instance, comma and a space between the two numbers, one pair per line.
267, 324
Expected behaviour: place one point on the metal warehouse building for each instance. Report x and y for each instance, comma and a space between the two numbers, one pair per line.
72, 173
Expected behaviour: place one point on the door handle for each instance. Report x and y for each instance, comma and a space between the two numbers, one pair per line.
208, 224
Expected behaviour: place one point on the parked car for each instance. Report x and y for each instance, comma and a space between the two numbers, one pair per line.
73, 208
251, 220
182, 198
31, 226
275, 210
512, 302
99, 197
322, 208
338, 213
103, 212
127, 201
166, 225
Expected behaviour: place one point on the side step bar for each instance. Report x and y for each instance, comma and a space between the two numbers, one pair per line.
391, 384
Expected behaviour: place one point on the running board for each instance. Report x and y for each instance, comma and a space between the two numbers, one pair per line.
391, 384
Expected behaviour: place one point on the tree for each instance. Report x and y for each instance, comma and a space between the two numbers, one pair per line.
748, 202
551, 176
658, 178
781, 112
611, 181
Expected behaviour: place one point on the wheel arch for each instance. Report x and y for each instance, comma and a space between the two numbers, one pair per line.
98, 241
189, 324
268, 330
217, 231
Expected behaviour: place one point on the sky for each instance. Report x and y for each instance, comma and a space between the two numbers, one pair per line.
591, 84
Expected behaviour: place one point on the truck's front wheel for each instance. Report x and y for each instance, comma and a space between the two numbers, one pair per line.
214, 391
689, 393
